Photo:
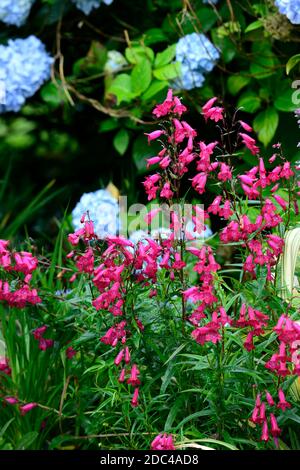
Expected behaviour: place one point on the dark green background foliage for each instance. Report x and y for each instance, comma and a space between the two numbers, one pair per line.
86, 128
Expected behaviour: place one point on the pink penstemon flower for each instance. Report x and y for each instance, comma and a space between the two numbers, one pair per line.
250, 143
135, 397
154, 135
163, 442
24, 409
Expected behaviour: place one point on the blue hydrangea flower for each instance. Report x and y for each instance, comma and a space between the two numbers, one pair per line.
197, 55
24, 66
87, 5
103, 211
210, 1
289, 8
115, 62
15, 11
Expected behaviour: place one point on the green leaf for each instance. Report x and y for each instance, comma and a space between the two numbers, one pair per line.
168, 72
197, 414
253, 26
236, 82
155, 87
292, 62
264, 60
226, 45
6, 426
153, 36
121, 87
284, 101
121, 141
165, 57
137, 53
249, 101
52, 95
207, 16
141, 76
265, 124
26, 441
109, 124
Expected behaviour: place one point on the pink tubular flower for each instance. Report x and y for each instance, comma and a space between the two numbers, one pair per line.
214, 114
70, 352
4, 365
282, 404
164, 108
214, 208
119, 358
154, 135
149, 185
246, 126
45, 344
225, 173
133, 379
226, 211
11, 400
166, 191
163, 442
246, 179
127, 355
280, 201
25, 262
152, 161
209, 104
275, 430
135, 397
250, 143
269, 399
39, 332
85, 262
121, 378
286, 171
265, 432
165, 162
179, 108
210, 112
28, 407
199, 182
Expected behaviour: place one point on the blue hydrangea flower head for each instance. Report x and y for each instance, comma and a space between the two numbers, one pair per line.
15, 12
103, 210
190, 78
210, 1
88, 5
197, 56
24, 66
115, 62
289, 8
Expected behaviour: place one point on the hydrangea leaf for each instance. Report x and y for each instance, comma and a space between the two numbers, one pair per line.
284, 101
249, 101
141, 76
264, 60
137, 53
165, 57
265, 124
121, 141
153, 36
168, 72
156, 87
236, 82
121, 87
